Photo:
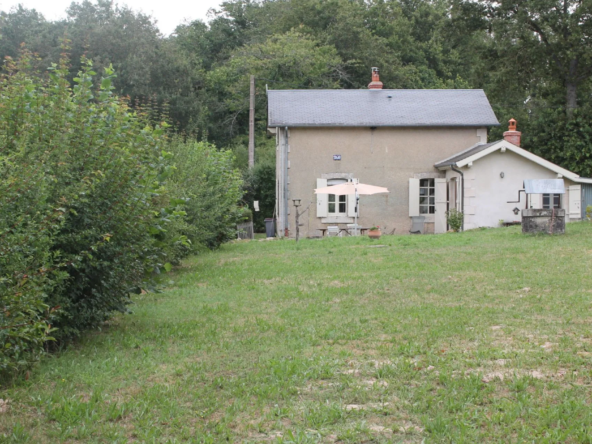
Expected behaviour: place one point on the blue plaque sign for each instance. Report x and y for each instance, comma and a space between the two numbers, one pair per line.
336, 156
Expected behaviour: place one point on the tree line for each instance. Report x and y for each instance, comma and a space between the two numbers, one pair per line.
532, 57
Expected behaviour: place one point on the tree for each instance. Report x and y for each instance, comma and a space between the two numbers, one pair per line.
288, 61
553, 37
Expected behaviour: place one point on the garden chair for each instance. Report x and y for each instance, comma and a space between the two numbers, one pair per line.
353, 229
333, 231
418, 224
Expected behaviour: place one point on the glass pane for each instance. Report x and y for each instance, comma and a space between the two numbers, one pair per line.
432, 210
331, 208
423, 191
423, 200
342, 198
424, 182
557, 200
341, 207
331, 197
432, 200
432, 191
423, 209
546, 201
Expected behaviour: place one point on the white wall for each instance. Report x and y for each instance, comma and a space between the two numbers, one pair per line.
487, 194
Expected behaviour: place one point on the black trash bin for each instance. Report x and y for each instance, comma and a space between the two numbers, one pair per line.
270, 227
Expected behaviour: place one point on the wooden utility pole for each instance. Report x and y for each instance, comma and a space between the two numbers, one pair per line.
252, 125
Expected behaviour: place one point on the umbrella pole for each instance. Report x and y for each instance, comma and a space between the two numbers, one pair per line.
356, 213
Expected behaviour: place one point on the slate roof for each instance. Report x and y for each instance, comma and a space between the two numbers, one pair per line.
466, 153
364, 107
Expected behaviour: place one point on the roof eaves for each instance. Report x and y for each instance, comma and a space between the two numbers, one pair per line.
449, 160
373, 125
582, 180
517, 150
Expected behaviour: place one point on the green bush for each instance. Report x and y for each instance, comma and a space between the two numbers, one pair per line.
260, 186
455, 219
212, 189
83, 211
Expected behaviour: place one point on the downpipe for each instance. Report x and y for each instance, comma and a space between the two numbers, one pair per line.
462, 193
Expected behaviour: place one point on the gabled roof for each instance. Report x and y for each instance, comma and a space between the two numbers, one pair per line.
380, 108
464, 154
476, 152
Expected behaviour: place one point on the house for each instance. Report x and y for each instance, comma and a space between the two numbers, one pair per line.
428, 147
484, 180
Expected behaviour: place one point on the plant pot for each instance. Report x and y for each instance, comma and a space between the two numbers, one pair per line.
374, 234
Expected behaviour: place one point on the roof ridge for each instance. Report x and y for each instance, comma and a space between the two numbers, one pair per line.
374, 90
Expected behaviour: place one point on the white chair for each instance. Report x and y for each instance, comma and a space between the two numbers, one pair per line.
333, 231
418, 224
353, 229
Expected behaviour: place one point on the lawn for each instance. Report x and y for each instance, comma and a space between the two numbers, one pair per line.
484, 336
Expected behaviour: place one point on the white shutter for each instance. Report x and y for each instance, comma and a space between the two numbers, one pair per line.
351, 203
440, 216
575, 199
535, 201
413, 197
322, 199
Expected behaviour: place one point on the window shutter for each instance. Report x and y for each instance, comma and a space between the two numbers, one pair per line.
413, 197
575, 199
440, 216
535, 201
322, 209
351, 203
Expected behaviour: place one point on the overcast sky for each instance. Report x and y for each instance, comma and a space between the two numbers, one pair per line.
168, 13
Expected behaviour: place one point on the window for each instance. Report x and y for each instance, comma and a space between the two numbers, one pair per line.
551, 201
337, 204
427, 196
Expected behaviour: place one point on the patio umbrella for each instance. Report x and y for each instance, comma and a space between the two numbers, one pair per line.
352, 188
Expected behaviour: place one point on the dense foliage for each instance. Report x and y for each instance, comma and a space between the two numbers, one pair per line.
260, 186
210, 186
86, 217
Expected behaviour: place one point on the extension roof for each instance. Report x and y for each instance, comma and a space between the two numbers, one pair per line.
476, 152
379, 108
465, 154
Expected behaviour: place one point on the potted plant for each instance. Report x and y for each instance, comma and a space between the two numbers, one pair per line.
374, 233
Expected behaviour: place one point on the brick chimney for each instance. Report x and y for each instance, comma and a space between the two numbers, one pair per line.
375, 83
512, 135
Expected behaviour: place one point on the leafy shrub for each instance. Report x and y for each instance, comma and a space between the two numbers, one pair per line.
212, 189
82, 212
260, 186
589, 212
455, 219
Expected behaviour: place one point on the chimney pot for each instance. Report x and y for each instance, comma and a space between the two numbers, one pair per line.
375, 83
512, 135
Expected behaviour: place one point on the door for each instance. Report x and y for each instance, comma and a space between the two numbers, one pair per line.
586, 198
574, 207
441, 204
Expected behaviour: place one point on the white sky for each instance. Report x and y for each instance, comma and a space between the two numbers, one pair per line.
168, 13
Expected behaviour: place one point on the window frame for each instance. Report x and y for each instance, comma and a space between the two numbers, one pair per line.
427, 191
337, 200
553, 198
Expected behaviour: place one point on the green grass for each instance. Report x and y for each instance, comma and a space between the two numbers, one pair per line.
484, 336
